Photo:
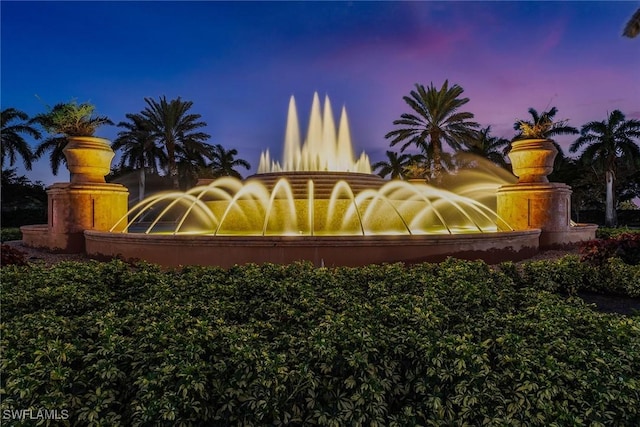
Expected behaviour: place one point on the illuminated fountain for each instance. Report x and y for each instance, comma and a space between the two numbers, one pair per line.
323, 149
320, 203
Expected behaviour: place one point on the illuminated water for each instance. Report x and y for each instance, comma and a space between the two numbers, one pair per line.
324, 149
310, 193
231, 207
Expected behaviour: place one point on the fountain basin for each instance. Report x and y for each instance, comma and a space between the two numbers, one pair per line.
576, 233
225, 251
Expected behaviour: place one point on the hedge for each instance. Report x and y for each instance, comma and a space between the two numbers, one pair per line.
452, 343
7, 234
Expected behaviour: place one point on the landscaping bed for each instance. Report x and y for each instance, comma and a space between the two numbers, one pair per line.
450, 343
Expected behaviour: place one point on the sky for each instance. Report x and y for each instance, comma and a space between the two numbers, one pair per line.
240, 62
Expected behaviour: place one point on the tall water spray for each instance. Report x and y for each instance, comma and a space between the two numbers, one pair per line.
319, 189
324, 149
321, 205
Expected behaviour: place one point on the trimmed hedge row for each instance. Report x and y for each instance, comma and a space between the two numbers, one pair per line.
569, 275
433, 344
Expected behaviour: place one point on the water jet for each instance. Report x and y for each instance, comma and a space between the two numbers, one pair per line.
321, 203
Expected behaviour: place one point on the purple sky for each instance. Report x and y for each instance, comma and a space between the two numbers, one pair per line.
239, 62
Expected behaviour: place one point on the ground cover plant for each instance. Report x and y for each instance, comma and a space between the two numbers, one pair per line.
607, 232
452, 343
12, 256
625, 246
7, 234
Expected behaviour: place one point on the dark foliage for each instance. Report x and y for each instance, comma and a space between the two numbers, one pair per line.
457, 343
8, 234
624, 246
12, 256
23, 202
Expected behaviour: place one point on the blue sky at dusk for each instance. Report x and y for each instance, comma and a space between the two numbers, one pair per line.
239, 62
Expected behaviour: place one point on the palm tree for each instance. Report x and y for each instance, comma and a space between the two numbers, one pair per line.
62, 121
224, 163
435, 119
71, 119
542, 126
607, 143
490, 147
191, 160
173, 126
632, 29
13, 142
56, 156
420, 166
140, 151
395, 165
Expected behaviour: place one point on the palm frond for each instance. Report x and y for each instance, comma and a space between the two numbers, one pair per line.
632, 28
436, 118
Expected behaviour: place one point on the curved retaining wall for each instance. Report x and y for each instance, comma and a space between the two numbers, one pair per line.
174, 250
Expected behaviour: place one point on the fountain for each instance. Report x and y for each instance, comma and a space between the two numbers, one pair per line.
319, 203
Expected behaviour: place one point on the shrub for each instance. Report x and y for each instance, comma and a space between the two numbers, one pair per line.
24, 216
569, 276
71, 119
12, 256
22, 202
566, 275
618, 277
608, 233
625, 246
8, 234
432, 344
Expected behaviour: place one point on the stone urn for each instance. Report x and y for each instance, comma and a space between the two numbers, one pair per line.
532, 159
88, 159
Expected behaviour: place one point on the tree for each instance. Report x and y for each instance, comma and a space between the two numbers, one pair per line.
71, 119
191, 161
395, 165
606, 144
628, 181
62, 121
490, 147
632, 29
173, 126
13, 143
420, 166
435, 119
22, 202
542, 126
224, 163
139, 149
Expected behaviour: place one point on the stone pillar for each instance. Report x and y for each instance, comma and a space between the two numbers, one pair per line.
534, 202
74, 208
85, 203
537, 205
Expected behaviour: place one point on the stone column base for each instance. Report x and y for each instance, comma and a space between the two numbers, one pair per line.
546, 206
73, 208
